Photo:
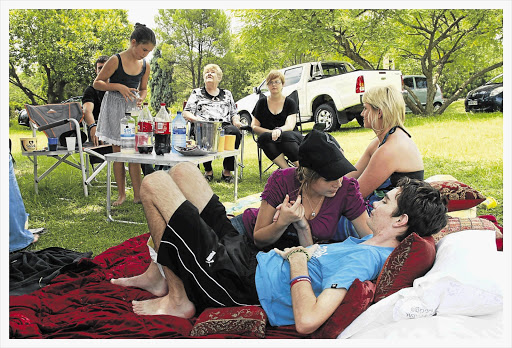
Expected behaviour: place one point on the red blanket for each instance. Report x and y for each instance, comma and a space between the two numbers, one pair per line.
86, 305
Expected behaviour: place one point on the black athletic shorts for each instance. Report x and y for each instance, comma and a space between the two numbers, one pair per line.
216, 264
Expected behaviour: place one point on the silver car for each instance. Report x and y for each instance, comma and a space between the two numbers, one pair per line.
418, 84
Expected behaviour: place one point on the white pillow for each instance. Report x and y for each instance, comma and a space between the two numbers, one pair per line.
466, 279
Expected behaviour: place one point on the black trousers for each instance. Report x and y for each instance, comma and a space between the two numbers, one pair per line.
216, 264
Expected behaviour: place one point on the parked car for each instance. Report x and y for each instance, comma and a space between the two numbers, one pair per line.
328, 92
488, 97
418, 84
23, 119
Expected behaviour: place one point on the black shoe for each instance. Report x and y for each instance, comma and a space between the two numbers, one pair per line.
229, 179
208, 177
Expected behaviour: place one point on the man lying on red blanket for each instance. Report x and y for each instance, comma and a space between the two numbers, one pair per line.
208, 264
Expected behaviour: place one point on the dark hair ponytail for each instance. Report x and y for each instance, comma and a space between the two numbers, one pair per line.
143, 35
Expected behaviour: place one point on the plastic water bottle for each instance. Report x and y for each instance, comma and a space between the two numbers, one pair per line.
127, 134
162, 131
179, 132
144, 135
132, 104
135, 114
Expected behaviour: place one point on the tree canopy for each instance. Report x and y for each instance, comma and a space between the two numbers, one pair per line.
62, 46
52, 51
191, 39
444, 45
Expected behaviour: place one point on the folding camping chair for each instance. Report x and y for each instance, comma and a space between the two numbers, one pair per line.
298, 127
61, 121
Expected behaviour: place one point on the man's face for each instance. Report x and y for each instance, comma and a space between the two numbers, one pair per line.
381, 216
99, 66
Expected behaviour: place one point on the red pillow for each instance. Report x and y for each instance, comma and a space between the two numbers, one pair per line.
246, 320
410, 260
358, 298
456, 224
460, 196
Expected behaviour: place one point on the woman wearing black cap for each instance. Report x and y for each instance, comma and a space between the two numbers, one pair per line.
303, 205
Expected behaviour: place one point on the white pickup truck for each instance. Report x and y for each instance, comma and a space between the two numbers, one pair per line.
328, 92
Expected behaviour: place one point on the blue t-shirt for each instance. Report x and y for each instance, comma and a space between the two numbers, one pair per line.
334, 265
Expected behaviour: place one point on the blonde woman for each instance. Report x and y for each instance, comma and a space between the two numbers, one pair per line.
211, 103
389, 157
274, 122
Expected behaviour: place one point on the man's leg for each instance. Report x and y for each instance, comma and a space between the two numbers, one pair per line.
160, 198
192, 184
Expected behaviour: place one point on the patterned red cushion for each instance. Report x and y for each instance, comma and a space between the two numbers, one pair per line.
460, 196
410, 260
246, 320
358, 298
456, 224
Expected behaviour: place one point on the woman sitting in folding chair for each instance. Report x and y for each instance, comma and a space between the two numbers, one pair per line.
274, 122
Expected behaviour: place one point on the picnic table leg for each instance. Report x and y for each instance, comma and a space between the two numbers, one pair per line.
35, 175
109, 173
236, 178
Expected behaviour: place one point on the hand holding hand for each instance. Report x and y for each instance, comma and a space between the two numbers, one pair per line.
291, 210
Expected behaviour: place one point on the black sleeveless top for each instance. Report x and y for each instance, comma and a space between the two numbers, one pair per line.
396, 176
132, 81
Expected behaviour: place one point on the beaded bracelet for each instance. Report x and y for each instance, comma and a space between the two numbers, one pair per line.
298, 251
300, 278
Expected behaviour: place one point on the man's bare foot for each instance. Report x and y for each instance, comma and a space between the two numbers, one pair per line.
151, 280
120, 200
164, 306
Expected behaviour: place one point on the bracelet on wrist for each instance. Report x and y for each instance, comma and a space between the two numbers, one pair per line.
300, 279
298, 251
91, 125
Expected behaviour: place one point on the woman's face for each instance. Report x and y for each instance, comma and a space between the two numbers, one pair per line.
211, 77
369, 115
140, 50
275, 85
327, 188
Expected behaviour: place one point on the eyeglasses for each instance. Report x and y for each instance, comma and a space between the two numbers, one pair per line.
277, 82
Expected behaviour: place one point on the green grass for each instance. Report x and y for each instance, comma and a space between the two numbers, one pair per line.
466, 146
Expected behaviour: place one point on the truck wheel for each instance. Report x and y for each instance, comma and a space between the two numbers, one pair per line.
360, 120
325, 113
437, 106
245, 118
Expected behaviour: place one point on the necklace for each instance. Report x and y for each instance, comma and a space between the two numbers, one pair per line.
313, 211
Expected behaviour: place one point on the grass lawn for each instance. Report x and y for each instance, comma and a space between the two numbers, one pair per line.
466, 146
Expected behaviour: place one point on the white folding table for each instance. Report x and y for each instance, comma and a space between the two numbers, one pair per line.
168, 159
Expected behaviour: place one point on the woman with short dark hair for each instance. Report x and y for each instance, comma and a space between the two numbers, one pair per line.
274, 122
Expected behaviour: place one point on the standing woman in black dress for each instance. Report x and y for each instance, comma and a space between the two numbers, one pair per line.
274, 122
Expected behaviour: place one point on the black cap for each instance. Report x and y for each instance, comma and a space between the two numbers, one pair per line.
322, 153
